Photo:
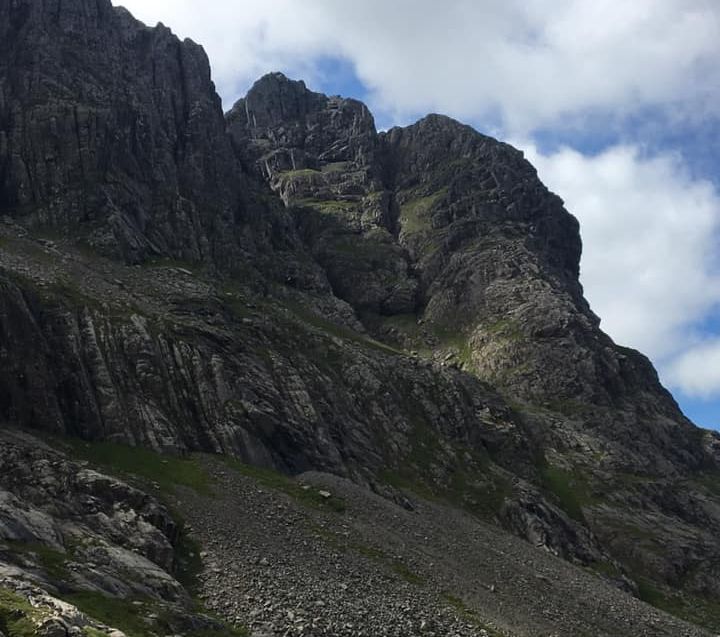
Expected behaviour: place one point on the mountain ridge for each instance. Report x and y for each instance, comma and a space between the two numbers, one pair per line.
285, 285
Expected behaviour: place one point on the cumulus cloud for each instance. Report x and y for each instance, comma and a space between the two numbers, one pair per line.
651, 236
524, 63
697, 371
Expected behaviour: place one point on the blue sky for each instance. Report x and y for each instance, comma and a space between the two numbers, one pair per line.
616, 103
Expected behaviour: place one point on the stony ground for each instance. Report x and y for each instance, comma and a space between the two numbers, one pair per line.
282, 567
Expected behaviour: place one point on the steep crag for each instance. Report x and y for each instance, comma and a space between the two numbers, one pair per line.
286, 286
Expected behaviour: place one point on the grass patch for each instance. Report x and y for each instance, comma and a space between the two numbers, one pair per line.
327, 206
370, 552
406, 323
52, 561
290, 175
143, 618
709, 481
507, 329
694, 609
17, 617
117, 613
476, 488
130, 616
306, 316
415, 214
187, 564
567, 407
653, 596
571, 490
369, 252
412, 471
335, 167
468, 614
482, 498
165, 471
68, 294
167, 262
607, 569
304, 494
406, 479
408, 575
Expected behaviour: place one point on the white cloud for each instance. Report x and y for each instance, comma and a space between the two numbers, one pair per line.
650, 246
533, 62
697, 371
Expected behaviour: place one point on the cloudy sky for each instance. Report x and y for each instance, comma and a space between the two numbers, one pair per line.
616, 103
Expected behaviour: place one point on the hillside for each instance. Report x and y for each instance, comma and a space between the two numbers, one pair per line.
363, 349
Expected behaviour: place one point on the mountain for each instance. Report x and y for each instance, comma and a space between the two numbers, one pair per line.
328, 381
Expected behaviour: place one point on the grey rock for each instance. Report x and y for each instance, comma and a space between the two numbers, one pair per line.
121, 538
329, 275
53, 628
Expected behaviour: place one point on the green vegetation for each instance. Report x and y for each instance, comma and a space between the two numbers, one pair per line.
468, 614
372, 553
304, 494
369, 253
327, 206
478, 489
408, 575
566, 407
335, 167
507, 329
144, 618
165, 471
697, 610
166, 262
29, 249
17, 617
483, 498
306, 316
653, 596
415, 214
70, 295
709, 481
412, 471
454, 338
570, 489
126, 615
238, 306
141, 618
52, 561
608, 569
291, 175
642, 536
188, 563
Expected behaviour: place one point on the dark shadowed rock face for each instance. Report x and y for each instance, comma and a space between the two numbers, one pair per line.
399, 308
323, 156
112, 132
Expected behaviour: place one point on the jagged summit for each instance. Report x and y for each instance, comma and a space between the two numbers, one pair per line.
292, 98
286, 286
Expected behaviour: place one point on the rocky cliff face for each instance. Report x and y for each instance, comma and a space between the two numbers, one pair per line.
287, 286
323, 157
112, 132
